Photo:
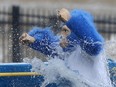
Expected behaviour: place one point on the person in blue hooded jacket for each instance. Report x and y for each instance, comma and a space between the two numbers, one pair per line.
88, 58
83, 41
83, 31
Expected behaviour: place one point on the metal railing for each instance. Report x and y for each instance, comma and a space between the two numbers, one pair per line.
16, 20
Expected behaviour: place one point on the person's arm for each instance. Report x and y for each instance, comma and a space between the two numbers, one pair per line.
42, 41
82, 25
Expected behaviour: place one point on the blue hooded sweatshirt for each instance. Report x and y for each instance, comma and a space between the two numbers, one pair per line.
83, 33
82, 25
45, 41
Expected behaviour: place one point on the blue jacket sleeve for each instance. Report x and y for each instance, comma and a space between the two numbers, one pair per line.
81, 23
43, 41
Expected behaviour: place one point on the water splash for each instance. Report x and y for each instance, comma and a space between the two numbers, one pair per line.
57, 70
110, 48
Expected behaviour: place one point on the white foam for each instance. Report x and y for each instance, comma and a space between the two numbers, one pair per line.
58, 71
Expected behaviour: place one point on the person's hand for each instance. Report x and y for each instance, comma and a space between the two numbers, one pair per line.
26, 39
64, 15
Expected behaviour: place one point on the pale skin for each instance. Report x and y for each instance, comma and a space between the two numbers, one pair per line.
64, 15
26, 38
64, 33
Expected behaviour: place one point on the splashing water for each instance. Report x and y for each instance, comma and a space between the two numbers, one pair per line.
58, 71
53, 74
110, 49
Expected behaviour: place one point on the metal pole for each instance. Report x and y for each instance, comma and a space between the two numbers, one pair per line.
15, 34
